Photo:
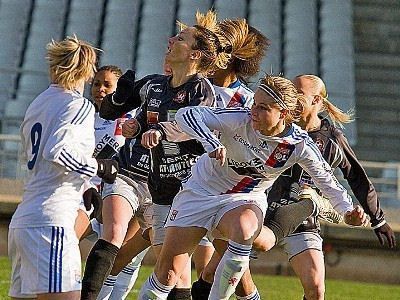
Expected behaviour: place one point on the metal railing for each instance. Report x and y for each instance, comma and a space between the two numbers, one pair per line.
384, 175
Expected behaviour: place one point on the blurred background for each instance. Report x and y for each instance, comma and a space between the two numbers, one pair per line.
354, 46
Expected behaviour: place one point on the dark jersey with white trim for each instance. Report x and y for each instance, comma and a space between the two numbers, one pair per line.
171, 162
337, 152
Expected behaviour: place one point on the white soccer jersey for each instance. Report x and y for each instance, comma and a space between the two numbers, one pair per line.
253, 160
108, 135
58, 143
237, 94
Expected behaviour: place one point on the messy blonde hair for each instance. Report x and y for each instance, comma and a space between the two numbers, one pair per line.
208, 42
248, 46
70, 61
287, 95
337, 116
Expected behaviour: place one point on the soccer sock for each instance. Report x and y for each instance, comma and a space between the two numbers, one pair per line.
253, 296
200, 289
107, 288
288, 217
230, 269
179, 294
153, 289
125, 280
98, 266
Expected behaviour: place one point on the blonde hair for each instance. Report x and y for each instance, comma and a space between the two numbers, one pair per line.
287, 93
248, 46
208, 42
337, 116
70, 61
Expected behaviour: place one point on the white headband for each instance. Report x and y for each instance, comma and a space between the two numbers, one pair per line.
273, 95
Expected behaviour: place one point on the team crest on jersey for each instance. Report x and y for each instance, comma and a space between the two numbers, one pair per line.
180, 97
263, 145
173, 214
320, 144
280, 155
118, 126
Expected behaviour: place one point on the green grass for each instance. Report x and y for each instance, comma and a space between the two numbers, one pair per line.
270, 287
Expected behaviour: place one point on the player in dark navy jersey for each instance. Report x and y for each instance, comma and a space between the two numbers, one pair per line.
195, 50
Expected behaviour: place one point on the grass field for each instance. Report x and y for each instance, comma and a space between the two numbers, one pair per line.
270, 287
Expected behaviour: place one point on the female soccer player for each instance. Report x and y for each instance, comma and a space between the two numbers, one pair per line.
193, 51
226, 191
58, 142
304, 247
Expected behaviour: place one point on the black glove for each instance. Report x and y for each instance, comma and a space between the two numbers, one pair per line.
92, 197
385, 230
125, 86
107, 170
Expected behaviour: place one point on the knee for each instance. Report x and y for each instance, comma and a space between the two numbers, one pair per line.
245, 230
314, 290
115, 233
265, 240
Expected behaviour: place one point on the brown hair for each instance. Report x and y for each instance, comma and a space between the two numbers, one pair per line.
70, 61
248, 46
285, 90
337, 116
208, 42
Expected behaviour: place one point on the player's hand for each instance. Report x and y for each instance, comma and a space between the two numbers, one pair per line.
151, 138
125, 86
385, 231
130, 128
356, 217
92, 197
219, 154
107, 170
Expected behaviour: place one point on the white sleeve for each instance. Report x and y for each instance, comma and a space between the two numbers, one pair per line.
311, 160
77, 122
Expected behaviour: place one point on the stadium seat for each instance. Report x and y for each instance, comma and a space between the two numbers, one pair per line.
188, 8
119, 35
265, 15
31, 85
153, 41
48, 14
84, 19
231, 8
301, 38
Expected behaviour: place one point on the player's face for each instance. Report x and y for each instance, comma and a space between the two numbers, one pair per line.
180, 47
266, 115
306, 91
104, 82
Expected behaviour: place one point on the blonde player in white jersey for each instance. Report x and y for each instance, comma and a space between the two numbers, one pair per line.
58, 142
227, 188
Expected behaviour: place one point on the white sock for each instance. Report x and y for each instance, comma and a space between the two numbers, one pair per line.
153, 289
253, 296
127, 277
107, 288
230, 269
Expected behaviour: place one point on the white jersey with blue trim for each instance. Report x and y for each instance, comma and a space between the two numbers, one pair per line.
58, 142
237, 94
253, 161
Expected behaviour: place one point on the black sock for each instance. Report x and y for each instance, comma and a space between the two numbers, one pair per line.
201, 289
288, 217
179, 294
98, 266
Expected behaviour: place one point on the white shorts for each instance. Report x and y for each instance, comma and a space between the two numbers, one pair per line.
299, 242
138, 196
194, 207
44, 260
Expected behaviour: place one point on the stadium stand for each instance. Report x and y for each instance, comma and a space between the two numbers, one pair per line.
120, 31
185, 9
231, 8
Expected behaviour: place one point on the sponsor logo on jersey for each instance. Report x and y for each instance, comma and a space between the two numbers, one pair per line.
263, 145
154, 102
280, 155
173, 214
241, 140
180, 97
320, 144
